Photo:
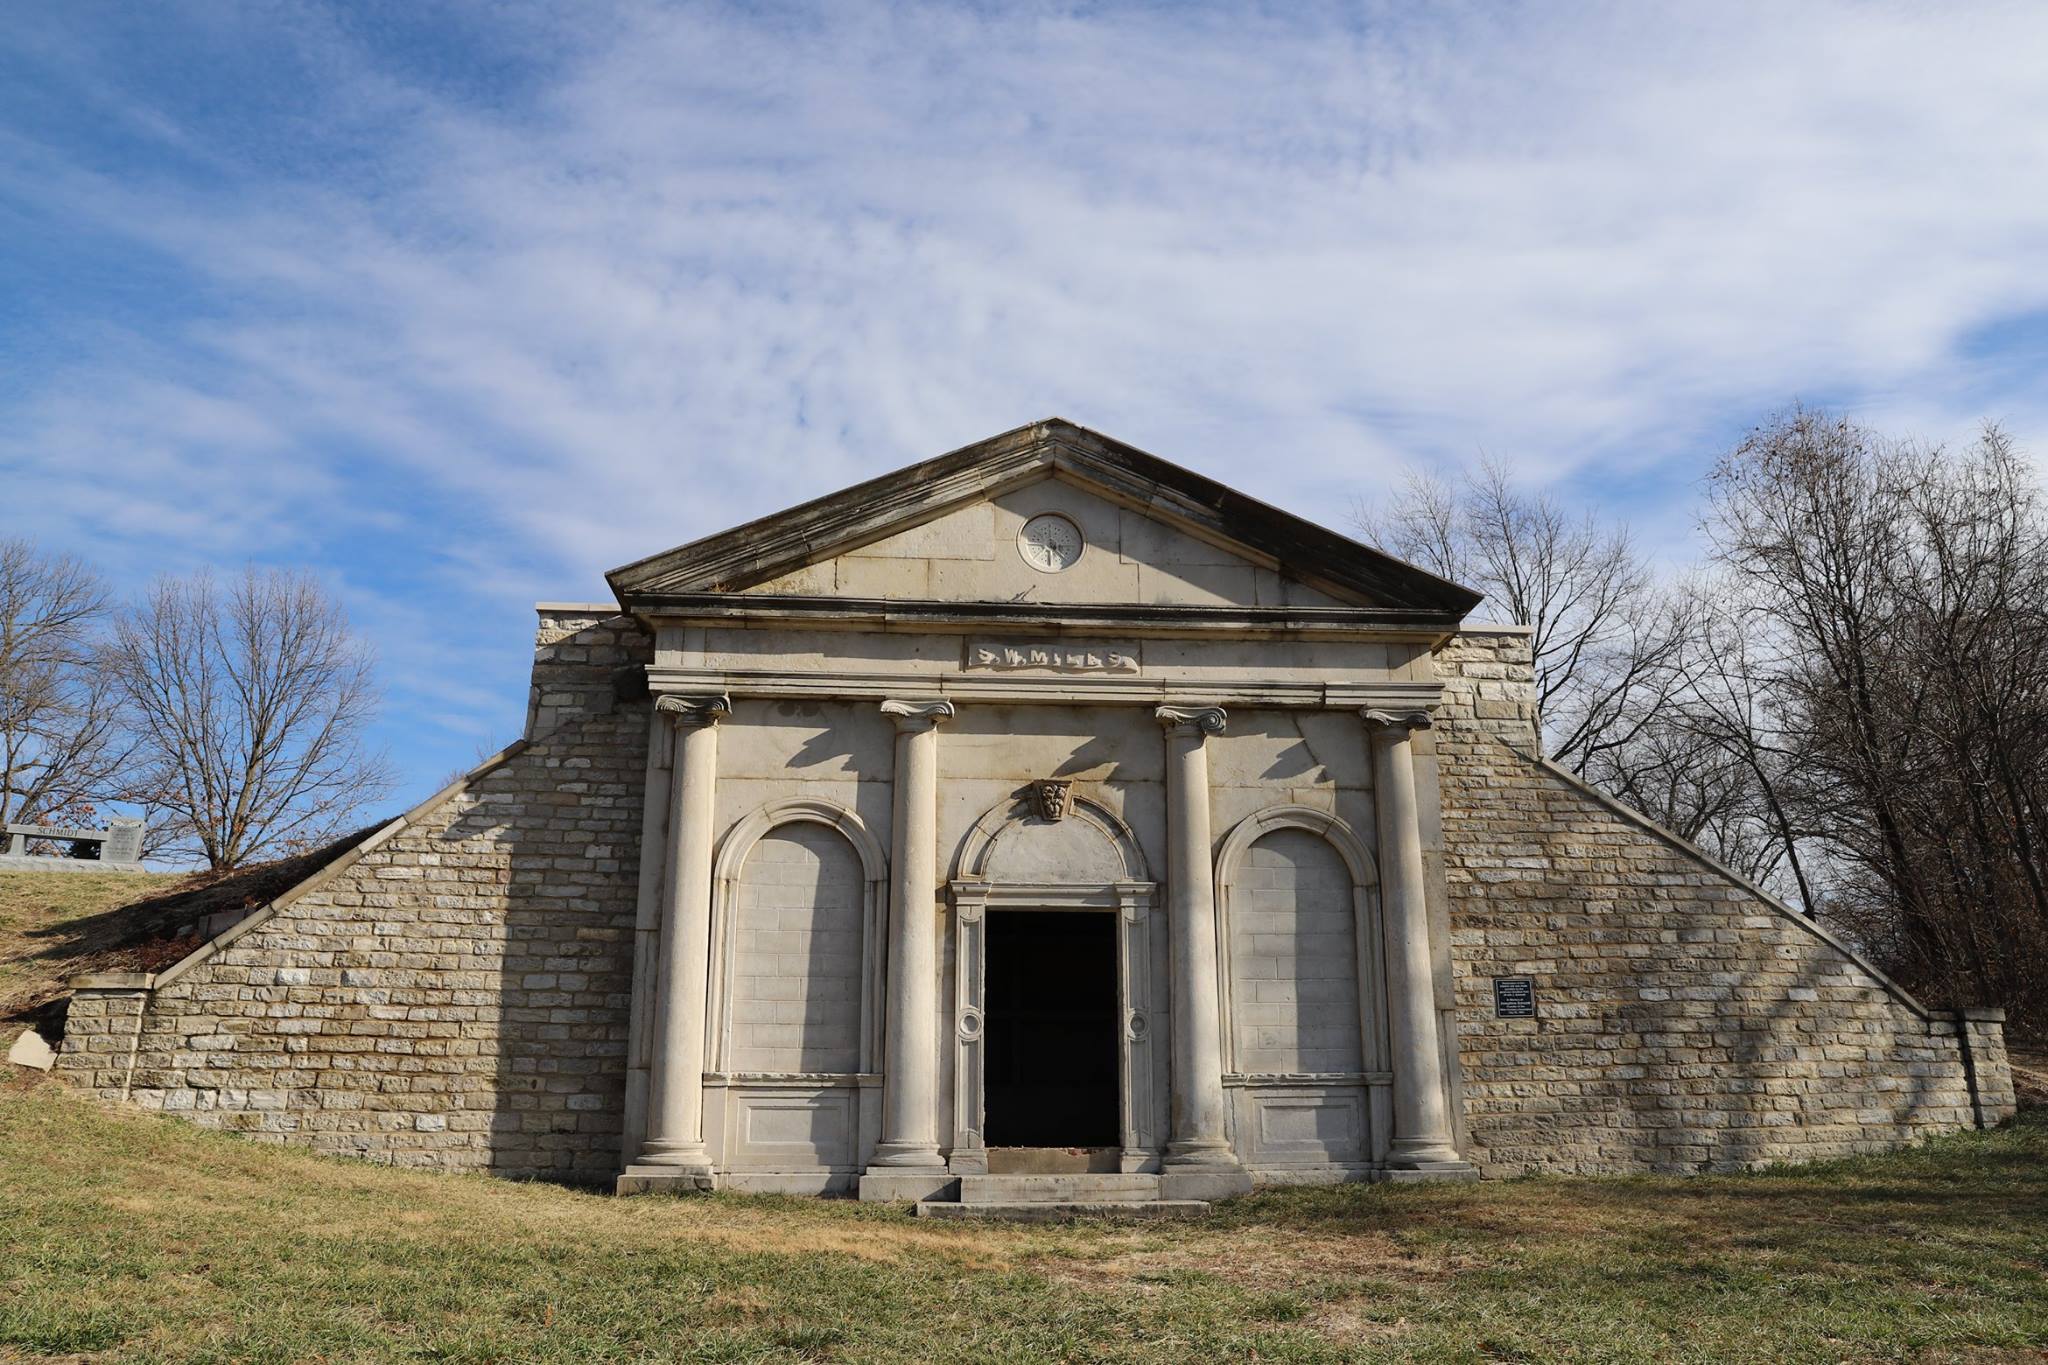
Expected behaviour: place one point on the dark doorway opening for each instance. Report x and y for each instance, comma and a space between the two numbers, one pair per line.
1051, 1020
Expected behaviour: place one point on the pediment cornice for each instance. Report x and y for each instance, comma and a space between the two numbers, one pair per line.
1053, 619
761, 550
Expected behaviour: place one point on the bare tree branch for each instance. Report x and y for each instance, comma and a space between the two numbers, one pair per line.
250, 704
61, 747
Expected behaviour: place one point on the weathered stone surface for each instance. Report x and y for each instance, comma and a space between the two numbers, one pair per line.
1685, 1023
33, 1051
478, 986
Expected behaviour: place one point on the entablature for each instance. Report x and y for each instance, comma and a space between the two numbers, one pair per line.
851, 685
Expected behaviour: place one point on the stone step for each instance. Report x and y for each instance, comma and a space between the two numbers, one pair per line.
1062, 1188
1054, 1160
1066, 1211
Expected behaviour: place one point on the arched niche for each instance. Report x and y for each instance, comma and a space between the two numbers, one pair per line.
1014, 858
1314, 1111
728, 872
1248, 831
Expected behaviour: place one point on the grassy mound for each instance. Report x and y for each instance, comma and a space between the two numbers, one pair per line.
41, 914
55, 925
130, 1237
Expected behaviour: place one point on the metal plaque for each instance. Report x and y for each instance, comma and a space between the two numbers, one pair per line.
1514, 997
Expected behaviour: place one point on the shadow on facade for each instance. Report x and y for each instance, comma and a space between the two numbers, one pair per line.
1685, 1048
560, 825
1728, 1070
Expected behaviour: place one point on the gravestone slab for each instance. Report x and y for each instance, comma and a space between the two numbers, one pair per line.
124, 842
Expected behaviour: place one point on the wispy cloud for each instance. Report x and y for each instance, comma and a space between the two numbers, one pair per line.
469, 311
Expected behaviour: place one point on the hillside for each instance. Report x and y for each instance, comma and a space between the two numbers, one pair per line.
52, 923
130, 1237
55, 925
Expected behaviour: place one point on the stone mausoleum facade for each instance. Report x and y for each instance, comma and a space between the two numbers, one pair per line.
1040, 817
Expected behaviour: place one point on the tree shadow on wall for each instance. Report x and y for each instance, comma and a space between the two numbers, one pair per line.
1736, 1071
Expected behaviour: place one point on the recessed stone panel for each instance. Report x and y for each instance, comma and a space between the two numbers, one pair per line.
792, 1129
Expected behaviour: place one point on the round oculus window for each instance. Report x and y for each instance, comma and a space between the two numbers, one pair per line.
1050, 543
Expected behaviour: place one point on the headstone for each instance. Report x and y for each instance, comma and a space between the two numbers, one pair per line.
31, 1050
124, 842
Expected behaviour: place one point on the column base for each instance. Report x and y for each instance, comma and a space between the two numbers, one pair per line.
912, 1156
640, 1179
1202, 1169
1199, 1155
885, 1186
1205, 1183
1413, 1153
1430, 1171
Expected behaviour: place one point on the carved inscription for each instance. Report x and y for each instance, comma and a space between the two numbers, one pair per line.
1056, 654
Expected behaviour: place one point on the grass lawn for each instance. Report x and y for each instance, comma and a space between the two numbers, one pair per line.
132, 1237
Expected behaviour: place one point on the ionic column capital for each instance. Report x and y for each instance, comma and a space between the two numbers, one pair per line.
1397, 722
690, 713
1204, 720
912, 716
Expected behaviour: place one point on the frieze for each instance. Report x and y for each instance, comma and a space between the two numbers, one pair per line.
1055, 654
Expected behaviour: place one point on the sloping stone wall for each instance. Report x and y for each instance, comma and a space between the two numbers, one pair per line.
1685, 1021
453, 993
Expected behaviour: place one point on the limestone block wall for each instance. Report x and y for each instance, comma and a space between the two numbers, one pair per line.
1684, 1020
453, 992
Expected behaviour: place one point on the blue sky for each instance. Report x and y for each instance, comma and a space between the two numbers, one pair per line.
461, 305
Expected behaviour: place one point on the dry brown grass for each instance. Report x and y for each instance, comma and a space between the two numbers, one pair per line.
40, 944
131, 1237
2030, 1073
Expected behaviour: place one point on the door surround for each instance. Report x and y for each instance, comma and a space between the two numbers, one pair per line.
983, 884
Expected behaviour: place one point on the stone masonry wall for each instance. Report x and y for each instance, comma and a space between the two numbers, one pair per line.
457, 995
1684, 1022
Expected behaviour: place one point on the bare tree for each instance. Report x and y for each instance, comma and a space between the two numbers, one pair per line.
1889, 601
250, 705
61, 748
1718, 751
1606, 638
1849, 705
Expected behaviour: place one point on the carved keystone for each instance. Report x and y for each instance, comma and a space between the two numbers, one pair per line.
1055, 799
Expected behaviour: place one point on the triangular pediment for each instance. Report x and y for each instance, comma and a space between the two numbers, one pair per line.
965, 528
985, 551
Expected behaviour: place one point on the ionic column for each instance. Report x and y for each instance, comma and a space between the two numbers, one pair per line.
675, 1089
1422, 1120
1200, 1133
910, 1081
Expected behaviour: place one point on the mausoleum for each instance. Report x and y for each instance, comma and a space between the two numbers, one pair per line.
1043, 820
